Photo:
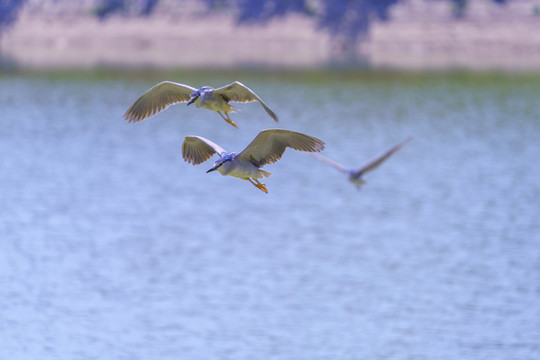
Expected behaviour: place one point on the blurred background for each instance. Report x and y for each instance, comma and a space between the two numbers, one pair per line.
404, 34
112, 247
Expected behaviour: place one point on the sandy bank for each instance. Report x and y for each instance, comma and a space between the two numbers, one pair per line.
420, 34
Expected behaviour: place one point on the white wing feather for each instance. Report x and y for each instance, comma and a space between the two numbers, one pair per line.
238, 92
196, 149
330, 162
269, 146
378, 160
157, 99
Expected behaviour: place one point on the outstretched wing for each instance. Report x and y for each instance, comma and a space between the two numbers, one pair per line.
378, 160
269, 146
196, 149
238, 92
330, 162
157, 99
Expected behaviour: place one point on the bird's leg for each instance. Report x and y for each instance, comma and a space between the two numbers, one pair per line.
261, 186
258, 185
228, 119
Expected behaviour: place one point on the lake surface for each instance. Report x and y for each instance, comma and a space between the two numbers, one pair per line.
112, 247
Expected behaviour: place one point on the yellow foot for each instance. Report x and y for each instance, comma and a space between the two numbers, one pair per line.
232, 123
258, 185
227, 119
262, 187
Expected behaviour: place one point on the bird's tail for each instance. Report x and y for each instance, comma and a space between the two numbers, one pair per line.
263, 174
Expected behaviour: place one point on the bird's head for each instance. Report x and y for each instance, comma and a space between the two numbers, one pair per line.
196, 94
222, 160
216, 166
193, 96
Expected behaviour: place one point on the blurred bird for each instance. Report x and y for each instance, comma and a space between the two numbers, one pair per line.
355, 175
167, 93
267, 148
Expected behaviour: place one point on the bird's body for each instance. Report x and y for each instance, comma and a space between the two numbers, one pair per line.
267, 147
355, 175
356, 179
240, 168
167, 93
207, 98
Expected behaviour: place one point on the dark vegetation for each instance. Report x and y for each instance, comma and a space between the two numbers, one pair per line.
8, 11
348, 19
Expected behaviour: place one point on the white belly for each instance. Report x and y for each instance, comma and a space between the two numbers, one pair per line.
241, 169
216, 103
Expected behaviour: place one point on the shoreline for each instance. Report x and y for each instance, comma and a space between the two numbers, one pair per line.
419, 35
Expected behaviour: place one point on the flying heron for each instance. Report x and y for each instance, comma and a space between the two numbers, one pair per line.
267, 148
355, 175
167, 93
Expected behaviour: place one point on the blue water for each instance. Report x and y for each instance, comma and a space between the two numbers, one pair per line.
112, 247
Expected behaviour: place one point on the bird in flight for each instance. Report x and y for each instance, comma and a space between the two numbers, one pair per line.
267, 148
168, 93
355, 175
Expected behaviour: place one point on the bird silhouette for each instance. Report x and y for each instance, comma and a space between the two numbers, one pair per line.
355, 175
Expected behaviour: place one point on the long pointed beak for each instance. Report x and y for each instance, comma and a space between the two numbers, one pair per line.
191, 101
213, 168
